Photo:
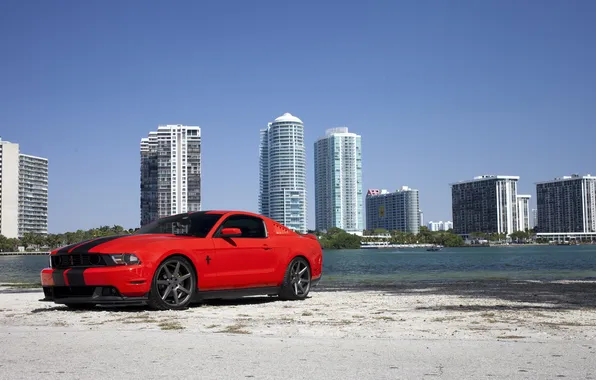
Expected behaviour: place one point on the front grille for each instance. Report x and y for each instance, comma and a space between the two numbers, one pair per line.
77, 260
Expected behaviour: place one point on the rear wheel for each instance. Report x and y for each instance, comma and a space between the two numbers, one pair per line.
174, 284
296, 284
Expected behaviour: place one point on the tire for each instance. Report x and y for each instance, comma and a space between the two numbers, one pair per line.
174, 284
297, 280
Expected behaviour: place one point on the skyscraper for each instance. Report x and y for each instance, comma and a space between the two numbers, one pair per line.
282, 172
23, 192
170, 171
338, 181
567, 204
486, 204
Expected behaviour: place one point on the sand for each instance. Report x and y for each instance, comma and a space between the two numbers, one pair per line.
509, 329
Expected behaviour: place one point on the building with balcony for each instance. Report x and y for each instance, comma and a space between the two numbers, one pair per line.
282, 172
33, 195
567, 207
396, 211
486, 204
523, 212
338, 181
23, 192
170, 171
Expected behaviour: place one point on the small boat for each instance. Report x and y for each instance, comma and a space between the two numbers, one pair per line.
434, 248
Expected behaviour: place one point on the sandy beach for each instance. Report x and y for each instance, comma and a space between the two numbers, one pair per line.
458, 330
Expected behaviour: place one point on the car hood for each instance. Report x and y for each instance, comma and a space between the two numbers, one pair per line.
125, 243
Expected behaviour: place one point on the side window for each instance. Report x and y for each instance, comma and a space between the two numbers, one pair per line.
250, 226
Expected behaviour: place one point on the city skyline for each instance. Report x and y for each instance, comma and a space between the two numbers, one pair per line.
439, 94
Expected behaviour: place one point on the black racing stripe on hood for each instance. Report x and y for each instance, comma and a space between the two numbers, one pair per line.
87, 247
69, 247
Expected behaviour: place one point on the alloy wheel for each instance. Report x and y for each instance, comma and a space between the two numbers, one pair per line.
174, 282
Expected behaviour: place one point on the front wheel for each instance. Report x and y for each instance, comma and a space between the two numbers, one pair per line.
296, 284
173, 285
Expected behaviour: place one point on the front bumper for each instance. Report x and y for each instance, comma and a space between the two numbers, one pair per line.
107, 284
107, 295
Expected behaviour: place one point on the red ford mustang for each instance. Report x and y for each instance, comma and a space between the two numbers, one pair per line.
184, 258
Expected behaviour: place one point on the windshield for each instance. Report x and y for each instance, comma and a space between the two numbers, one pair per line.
196, 224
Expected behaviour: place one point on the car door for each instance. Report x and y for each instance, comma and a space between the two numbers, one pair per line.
246, 261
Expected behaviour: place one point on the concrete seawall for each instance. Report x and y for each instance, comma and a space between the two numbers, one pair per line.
24, 253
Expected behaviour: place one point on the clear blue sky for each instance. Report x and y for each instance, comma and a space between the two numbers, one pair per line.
440, 91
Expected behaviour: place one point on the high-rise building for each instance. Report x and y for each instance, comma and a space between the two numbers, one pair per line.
338, 181
523, 212
534, 217
282, 172
567, 204
397, 211
9, 189
23, 192
486, 204
33, 195
170, 171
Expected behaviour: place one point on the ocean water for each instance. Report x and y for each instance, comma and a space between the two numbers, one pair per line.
382, 267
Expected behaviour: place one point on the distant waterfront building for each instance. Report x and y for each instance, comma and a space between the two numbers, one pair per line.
282, 172
534, 217
338, 181
486, 204
421, 218
567, 205
440, 226
397, 211
523, 212
170, 171
23, 192
33, 195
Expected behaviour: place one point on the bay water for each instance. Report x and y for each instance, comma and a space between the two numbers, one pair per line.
383, 267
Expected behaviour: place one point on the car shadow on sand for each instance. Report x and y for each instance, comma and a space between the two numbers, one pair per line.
258, 300
527, 295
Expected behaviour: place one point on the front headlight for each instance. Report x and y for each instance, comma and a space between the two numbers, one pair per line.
125, 259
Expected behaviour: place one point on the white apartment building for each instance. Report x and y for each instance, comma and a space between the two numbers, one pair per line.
338, 181
9, 189
440, 226
23, 192
282, 172
170, 171
33, 195
523, 212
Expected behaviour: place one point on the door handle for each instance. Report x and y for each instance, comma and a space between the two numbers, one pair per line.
266, 247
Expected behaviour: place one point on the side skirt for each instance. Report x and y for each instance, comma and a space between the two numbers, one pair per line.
235, 293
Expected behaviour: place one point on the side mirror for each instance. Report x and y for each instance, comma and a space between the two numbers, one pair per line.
230, 232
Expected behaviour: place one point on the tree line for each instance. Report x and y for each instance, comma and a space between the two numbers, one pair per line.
52, 241
336, 238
